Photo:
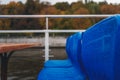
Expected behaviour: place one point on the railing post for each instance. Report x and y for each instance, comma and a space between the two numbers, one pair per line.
46, 41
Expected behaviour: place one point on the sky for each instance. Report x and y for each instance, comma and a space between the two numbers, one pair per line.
54, 1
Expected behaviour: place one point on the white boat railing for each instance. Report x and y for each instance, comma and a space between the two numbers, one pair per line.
47, 30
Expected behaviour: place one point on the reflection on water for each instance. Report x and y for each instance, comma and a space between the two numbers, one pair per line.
26, 64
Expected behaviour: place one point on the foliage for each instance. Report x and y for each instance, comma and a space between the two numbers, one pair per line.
32, 7
63, 6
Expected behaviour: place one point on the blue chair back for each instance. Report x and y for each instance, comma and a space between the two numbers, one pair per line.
101, 50
68, 43
73, 47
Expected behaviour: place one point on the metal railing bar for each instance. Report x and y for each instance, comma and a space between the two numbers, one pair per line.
47, 40
64, 31
55, 16
39, 31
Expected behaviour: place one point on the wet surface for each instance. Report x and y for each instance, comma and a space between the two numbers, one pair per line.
26, 64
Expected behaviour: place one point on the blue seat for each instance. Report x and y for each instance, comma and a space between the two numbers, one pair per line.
66, 63
73, 72
101, 50
60, 63
70, 73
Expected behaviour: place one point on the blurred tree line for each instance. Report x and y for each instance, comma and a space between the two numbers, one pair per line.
33, 7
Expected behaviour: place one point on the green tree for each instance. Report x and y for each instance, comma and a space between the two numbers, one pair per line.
63, 6
76, 5
30, 7
93, 7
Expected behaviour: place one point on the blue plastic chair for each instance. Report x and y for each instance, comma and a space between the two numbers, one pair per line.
60, 63
73, 72
67, 63
101, 50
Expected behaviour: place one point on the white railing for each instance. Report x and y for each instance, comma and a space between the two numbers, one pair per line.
47, 31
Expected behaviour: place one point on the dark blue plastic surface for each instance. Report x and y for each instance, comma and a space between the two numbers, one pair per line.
58, 64
101, 50
75, 50
99, 57
60, 74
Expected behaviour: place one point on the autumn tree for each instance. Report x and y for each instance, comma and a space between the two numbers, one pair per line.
110, 9
49, 10
32, 7
81, 23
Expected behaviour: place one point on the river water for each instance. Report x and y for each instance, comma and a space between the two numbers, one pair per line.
26, 64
